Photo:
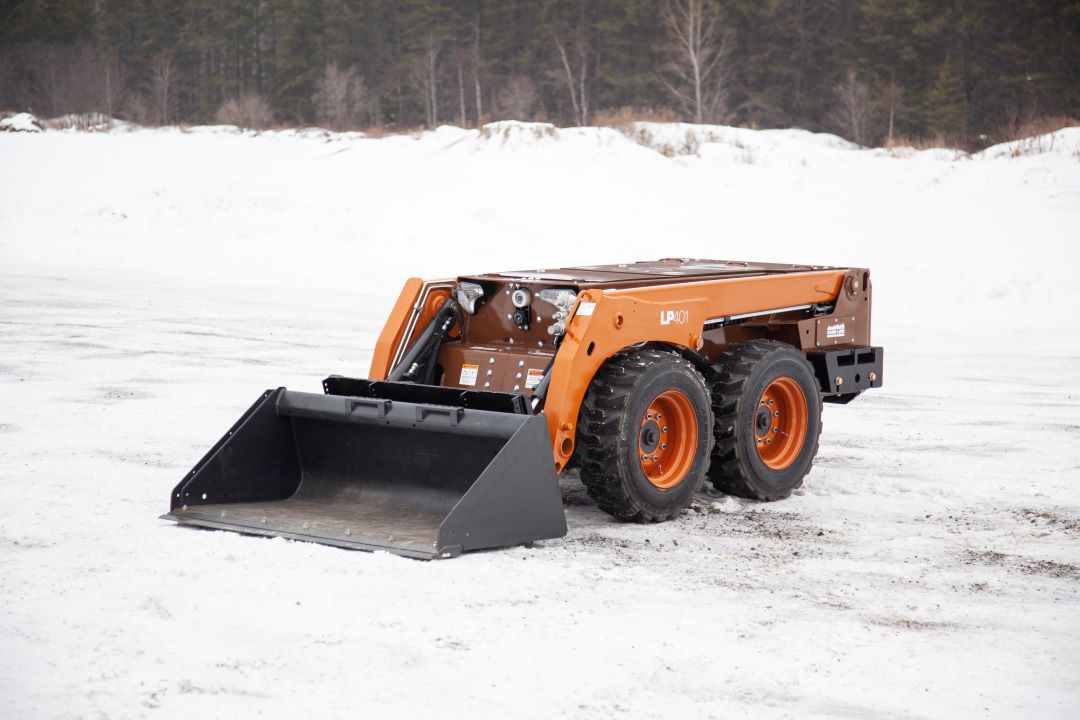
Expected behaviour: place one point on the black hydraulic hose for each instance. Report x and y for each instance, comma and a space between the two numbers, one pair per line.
540, 393
418, 364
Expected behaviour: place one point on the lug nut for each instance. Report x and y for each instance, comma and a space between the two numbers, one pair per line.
659, 416
645, 457
776, 413
663, 446
654, 458
768, 442
663, 429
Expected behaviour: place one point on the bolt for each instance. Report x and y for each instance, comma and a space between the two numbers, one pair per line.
873, 377
839, 380
263, 521
509, 316
521, 363
519, 376
491, 361
663, 446
517, 387
348, 531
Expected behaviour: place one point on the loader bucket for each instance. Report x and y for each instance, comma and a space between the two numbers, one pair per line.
420, 480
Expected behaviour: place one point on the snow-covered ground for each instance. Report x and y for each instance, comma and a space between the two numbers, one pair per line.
152, 283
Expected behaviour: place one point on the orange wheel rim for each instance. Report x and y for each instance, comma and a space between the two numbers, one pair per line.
780, 423
668, 439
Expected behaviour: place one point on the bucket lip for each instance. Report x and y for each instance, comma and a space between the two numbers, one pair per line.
411, 551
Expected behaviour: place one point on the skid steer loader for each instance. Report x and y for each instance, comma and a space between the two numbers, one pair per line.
647, 378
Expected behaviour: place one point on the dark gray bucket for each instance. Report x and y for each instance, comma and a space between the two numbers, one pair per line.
415, 479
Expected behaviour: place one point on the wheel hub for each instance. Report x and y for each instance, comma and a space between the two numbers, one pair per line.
780, 423
650, 436
667, 439
763, 421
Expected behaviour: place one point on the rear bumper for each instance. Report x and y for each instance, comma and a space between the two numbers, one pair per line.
843, 373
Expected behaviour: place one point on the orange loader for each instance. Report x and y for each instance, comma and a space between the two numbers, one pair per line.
646, 379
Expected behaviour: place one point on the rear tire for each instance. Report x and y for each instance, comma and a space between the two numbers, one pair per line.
644, 435
768, 420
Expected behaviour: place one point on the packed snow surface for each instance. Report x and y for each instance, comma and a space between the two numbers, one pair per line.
153, 283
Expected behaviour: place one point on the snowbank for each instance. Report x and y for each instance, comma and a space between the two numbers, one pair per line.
20, 122
1064, 143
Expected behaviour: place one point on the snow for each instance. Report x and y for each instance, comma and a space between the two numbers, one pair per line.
154, 282
20, 122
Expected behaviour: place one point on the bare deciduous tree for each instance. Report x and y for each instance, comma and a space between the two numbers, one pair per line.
576, 81
113, 81
517, 98
249, 111
696, 71
893, 99
476, 70
163, 87
854, 107
424, 78
340, 97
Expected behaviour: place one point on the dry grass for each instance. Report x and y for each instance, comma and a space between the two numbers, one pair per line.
623, 118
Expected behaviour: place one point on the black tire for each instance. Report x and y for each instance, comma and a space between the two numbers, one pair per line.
612, 426
743, 374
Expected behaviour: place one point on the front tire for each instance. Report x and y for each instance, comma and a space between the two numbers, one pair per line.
768, 420
645, 432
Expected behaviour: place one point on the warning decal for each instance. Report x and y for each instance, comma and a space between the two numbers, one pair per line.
533, 379
586, 308
468, 374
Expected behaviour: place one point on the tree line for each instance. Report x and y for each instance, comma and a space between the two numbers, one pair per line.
870, 70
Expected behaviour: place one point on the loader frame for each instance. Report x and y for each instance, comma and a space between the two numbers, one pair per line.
604, 322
